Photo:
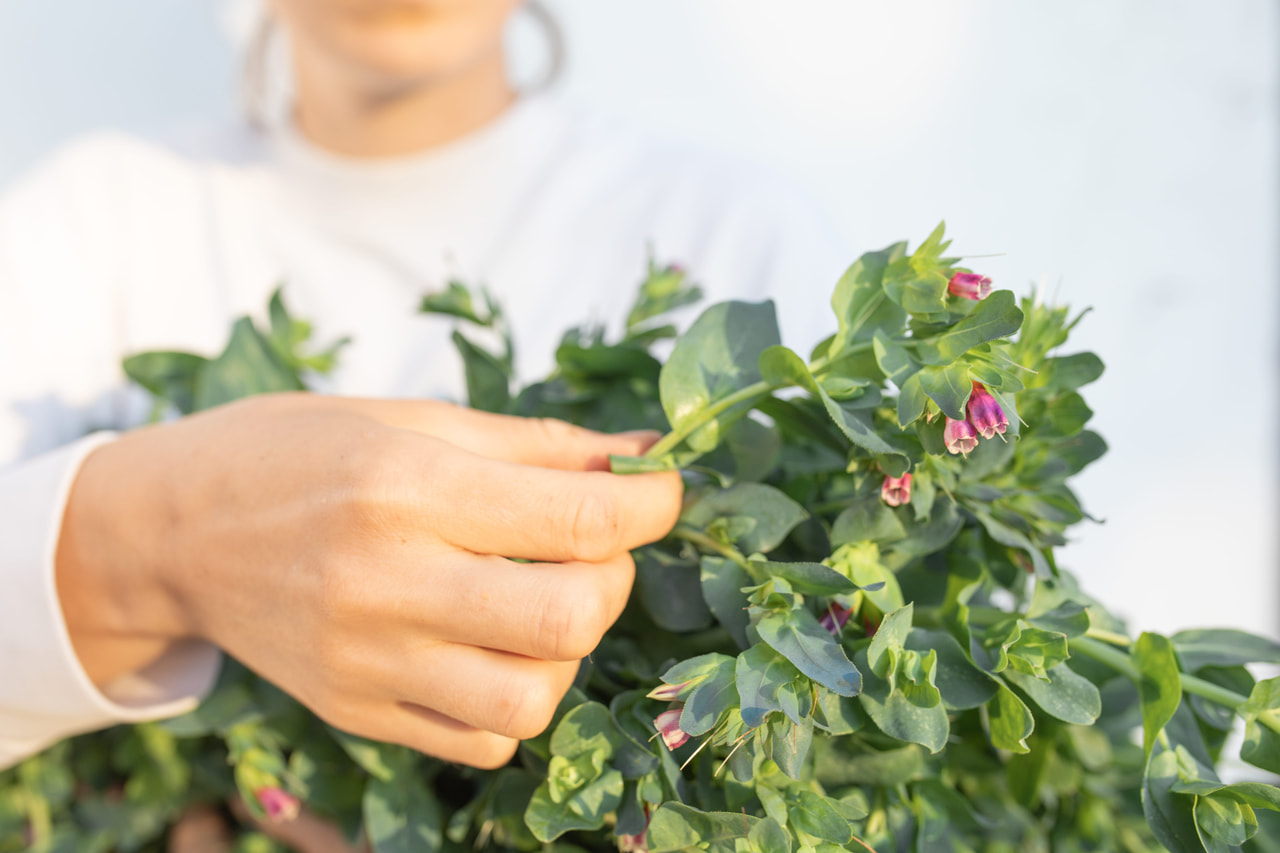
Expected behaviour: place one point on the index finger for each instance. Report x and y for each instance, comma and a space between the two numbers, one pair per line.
514, 510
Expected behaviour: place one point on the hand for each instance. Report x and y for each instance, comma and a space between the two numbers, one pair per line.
357, 554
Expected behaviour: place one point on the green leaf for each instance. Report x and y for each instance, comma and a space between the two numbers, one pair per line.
249, 365
949, 387
859, 301
670, 588
1006, 535
380, 760
455, 301
893, 358
1224, 823
816, 815
905, 710
997, 316
789, 744
488, 378
1160, 687
888, 768
582, 808
1223, 647
1261, 742
717, 356
760, 675
722, 582
919, 288
675, 826
1011, 722
781, 366
663, 290
1170, 815
1255, 794
768, 836
775, 514
811, 578
911, 401
798, 637
961, 684
170, 376
711, 698
866, 520
698, 667
1067, 696
402, 816
889, 638
1071, 372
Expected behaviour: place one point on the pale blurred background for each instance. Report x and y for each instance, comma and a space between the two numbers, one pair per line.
1122, 153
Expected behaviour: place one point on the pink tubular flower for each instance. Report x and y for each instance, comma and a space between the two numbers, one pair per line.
279, 805
959, 436
896, 491
985, 413
668, 725
969, 285
668, 692
835, 617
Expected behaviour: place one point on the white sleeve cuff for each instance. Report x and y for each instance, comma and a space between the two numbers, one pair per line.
45, 694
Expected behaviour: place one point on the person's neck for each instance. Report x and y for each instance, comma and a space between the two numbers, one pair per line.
372, 121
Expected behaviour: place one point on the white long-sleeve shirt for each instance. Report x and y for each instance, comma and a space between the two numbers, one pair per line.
118, 245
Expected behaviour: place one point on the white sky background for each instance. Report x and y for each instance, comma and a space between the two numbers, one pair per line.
1125, 153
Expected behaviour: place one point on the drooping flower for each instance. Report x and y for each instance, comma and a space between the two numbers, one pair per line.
969, 285
636, 843
835, 617
985, 413
668, 725
668, 692
959, 436
896, 491
280, 805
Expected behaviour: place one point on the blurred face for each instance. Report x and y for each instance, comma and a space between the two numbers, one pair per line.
393, 44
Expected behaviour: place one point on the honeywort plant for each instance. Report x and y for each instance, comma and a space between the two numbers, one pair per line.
857, 637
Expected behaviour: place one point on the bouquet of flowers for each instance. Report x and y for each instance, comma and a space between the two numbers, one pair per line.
856, 637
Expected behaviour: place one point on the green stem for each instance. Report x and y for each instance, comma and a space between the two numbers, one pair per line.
1120, 662
752, 392
705, 542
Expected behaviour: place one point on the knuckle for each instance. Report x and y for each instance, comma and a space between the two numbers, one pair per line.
570, 623
596, 526
525, 706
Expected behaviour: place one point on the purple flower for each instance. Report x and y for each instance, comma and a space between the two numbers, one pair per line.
668, 725
835, 617
959, 436
896, 491
279, 805
969, 285
985, 414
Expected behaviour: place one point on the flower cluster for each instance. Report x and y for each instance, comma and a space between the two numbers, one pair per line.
985, 418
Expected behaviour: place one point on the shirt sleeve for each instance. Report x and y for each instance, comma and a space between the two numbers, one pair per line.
59, 378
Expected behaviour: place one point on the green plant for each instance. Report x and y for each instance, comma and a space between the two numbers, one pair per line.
853, 639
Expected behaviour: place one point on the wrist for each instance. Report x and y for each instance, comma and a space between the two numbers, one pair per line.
119, 609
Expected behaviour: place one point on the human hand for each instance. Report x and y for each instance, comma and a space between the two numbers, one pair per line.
358, 554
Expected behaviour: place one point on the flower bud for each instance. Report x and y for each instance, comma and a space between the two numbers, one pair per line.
279, 805
959, 436
896, 491
835, 617
969, 285
668, 725
668, 692
985, 413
